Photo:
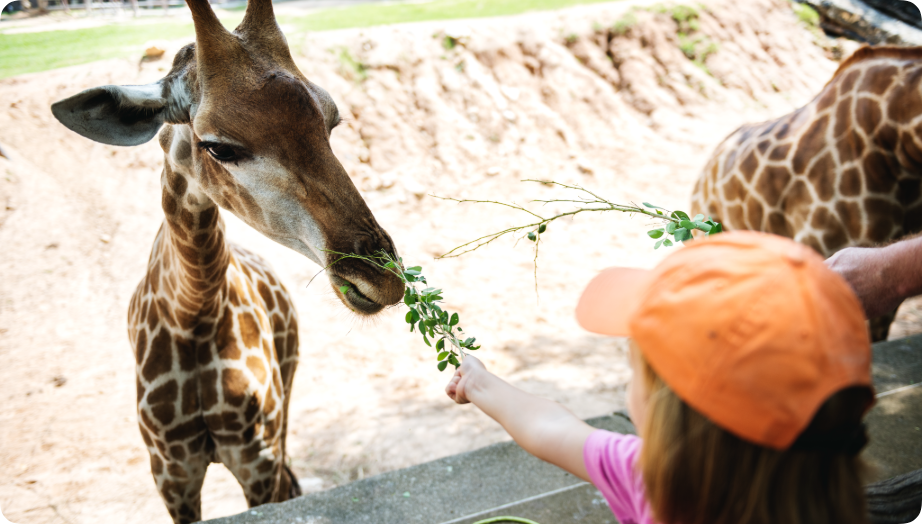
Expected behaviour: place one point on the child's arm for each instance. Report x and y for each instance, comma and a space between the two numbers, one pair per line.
543, 428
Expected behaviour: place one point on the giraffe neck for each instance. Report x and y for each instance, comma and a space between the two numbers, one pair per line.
190, 255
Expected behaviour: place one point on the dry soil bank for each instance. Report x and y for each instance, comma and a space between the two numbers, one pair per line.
462, 109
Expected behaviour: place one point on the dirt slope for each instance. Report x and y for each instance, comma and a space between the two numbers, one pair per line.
560, 95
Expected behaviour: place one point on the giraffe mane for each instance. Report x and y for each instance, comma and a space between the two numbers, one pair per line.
867, 52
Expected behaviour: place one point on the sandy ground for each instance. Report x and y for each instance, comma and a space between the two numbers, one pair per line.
533, 96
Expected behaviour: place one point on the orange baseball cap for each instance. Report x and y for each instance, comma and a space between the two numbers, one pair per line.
751, 330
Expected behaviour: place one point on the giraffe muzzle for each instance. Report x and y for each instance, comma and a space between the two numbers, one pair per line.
354, 298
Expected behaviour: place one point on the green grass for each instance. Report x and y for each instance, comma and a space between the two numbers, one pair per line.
807, 14
33, 52
366, 15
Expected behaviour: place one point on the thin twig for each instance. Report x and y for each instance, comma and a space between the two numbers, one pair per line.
595, 203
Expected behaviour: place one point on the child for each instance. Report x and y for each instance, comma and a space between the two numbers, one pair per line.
751, 377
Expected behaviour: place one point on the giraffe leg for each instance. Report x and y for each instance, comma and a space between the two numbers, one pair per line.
289, 483
262, 475
180, 486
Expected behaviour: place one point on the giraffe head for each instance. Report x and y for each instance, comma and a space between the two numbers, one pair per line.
251, 133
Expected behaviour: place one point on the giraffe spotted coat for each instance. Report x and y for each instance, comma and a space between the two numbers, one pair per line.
216, 344
844, 170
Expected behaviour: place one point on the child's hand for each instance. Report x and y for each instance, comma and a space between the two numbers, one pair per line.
455, 388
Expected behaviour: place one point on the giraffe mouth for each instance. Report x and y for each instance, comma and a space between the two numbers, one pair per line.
353, 298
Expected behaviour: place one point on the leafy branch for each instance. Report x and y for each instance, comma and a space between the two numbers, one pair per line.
677, 223
425, 314
436, 324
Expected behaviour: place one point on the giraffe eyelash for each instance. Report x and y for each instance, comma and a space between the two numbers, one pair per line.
214, 149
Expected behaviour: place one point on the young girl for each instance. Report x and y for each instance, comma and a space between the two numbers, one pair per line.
751, 378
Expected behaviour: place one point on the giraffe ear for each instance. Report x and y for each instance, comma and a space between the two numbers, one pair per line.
114, 115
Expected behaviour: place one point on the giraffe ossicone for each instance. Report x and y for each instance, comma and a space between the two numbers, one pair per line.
214, 331
843, 170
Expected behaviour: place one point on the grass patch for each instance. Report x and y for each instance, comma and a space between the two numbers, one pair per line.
807, 14
625, 23
350, 67
33, 52
367, 15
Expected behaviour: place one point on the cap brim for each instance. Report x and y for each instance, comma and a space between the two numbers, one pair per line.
610, 300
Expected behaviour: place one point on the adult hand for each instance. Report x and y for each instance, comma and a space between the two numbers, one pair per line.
461, 378
871, 273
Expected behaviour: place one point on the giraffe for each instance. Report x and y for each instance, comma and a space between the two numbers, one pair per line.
213, 330
843, 170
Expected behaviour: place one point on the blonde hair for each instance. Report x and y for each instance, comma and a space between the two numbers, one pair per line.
698, 473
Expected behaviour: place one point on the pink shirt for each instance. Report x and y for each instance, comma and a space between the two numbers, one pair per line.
610, 459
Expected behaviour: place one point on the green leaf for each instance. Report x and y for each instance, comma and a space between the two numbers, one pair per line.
718, 228
667, 242
658, 244
655, 233
658, 212
453, 361
454, 319
409, 317
390, 265
415, 268
680, 234
344, 289
670, 227
687, 224
442, 355
415, 314
647, 204
426, 340
542, 228
681, 215
409, 299
532, 236
699, 217
411, 272
467, 342
440, 344
703, 226
442, 365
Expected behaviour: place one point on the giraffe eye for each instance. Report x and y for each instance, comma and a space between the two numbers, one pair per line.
221, 153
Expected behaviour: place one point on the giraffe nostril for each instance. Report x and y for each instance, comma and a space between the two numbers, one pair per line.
362, 247
369, 245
